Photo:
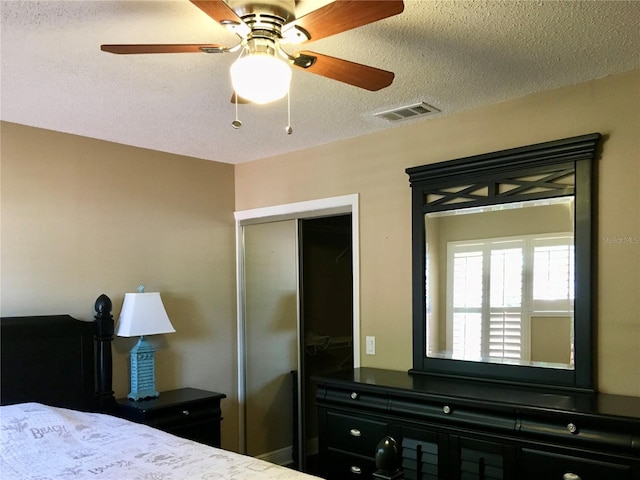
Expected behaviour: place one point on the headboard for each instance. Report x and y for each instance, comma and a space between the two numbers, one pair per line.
58, 360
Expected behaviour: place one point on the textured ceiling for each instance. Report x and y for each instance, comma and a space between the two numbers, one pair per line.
454, 55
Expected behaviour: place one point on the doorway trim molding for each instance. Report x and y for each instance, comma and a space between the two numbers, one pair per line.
291, 211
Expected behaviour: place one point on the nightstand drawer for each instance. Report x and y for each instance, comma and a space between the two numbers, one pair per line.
354, 434
186, 412
207, 432
182, 414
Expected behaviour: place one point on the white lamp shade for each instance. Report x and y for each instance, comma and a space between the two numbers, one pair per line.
260, 77
143, 314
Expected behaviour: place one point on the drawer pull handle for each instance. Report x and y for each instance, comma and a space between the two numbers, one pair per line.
570, 476
573, 429
354, 395
446, 409
354, 432
186, 412
356, 470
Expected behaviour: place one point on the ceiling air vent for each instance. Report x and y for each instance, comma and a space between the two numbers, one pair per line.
405, 113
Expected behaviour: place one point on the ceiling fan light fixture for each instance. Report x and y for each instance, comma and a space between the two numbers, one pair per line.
260, 77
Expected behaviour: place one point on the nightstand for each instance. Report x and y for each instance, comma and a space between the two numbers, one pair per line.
186, 412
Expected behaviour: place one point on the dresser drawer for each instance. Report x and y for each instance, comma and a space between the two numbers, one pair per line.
352, 398
536, 465
450, 414
354, 434
342, 466
574, 430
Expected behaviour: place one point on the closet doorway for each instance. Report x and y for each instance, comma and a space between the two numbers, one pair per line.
326, 313
298, 316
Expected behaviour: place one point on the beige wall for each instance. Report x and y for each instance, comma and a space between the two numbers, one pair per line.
551, 339
374, 165
82, 217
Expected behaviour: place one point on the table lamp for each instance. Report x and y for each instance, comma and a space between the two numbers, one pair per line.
143, 314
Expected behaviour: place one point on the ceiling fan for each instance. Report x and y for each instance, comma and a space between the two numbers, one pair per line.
265, 26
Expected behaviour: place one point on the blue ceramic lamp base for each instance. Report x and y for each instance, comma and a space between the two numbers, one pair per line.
143, 378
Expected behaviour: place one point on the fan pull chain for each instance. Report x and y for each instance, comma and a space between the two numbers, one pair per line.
288, 128
236, 123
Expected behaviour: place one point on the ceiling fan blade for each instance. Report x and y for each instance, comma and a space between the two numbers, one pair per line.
159, 48
356, 74
343, 15
218, 10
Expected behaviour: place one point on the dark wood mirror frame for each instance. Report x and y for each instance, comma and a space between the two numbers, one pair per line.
479, 181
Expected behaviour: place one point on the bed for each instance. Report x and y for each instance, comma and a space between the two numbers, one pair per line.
57, 415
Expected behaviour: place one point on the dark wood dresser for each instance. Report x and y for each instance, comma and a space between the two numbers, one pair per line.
186, 412
452, 429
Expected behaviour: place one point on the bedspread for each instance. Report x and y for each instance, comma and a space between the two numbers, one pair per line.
39, 442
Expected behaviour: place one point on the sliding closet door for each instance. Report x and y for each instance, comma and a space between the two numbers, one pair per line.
271, 314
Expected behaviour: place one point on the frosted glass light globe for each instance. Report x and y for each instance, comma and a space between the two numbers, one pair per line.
260, 78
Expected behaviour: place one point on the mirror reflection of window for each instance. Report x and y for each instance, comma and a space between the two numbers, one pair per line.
499, 288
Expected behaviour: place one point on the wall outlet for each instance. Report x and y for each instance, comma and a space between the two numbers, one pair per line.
371, 345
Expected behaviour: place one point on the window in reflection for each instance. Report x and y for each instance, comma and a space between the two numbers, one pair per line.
498, 288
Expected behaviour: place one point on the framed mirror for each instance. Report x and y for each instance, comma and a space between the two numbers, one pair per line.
502, 265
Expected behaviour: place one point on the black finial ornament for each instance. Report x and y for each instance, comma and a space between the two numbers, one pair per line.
103, 304
387, 460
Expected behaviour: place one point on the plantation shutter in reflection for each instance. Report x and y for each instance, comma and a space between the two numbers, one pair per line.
505, 312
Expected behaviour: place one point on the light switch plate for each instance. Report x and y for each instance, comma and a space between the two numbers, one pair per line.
371, 345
